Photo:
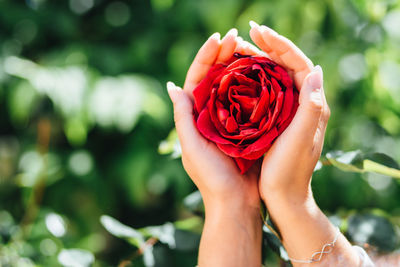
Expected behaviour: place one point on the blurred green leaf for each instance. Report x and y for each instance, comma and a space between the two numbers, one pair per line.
75, 258
175, 238
194, 202
356, 161
118, 229
374, 230
273, 242
171, 145
347, 161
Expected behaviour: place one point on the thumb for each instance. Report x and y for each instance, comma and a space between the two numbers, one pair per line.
183, 115
312, 101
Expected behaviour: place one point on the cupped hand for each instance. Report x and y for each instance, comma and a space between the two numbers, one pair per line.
214, 173
288, 166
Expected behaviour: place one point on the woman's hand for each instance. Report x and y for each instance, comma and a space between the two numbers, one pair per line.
214, 173
233, 222
288, 166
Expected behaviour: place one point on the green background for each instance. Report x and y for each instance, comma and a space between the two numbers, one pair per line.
84, 114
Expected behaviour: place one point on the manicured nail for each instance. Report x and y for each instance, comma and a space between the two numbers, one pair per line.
172, 90
318, 69
268, 29
232, 31
216, 36
253, 24
171, 87
315, 79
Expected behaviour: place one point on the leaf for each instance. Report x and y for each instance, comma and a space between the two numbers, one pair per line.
186, 241
374, 230
356, 161
118, 229
382, 159
194, 202
273, 242
148, 257
347, 161
174, 238
193, 224
318, 166
171, 145
165, 233
75, 258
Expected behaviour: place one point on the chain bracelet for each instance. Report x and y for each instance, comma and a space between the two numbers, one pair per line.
317, 256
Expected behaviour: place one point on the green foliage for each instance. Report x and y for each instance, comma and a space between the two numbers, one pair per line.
356, 161
85, 124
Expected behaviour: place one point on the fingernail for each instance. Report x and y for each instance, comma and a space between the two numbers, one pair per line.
315, 79
216, 36
232, 31
171, 86
270, 31
318, 69
172, 89
253, 24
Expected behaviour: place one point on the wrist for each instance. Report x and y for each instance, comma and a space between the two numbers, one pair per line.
239, 211
291, 196
288, 207
228, 225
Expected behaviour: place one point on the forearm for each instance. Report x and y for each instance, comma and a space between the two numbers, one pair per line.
305, 230
231, 237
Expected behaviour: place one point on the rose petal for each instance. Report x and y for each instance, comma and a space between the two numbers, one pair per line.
252, 151
277, 109
244, 107
286, 123
248, 131
285, 78
276, 86
202, 92
224, 86
247, 104
243, 80
208, 130
261, 109
231, 125
244, 164
220, 128
273, 73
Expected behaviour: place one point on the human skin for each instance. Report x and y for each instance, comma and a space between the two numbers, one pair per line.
232, 229
287, 167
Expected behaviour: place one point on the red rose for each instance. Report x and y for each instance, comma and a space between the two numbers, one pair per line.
244, 105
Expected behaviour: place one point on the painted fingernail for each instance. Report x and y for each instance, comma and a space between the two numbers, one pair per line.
171, 87
315, 79
318, 69
270, 31
216, 36
232, 31
253, 24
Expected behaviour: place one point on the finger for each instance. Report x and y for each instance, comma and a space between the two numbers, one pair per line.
246, 48
183, 115
203, 61
320, 134
256, 36
228, 45
288, 53
310, 110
